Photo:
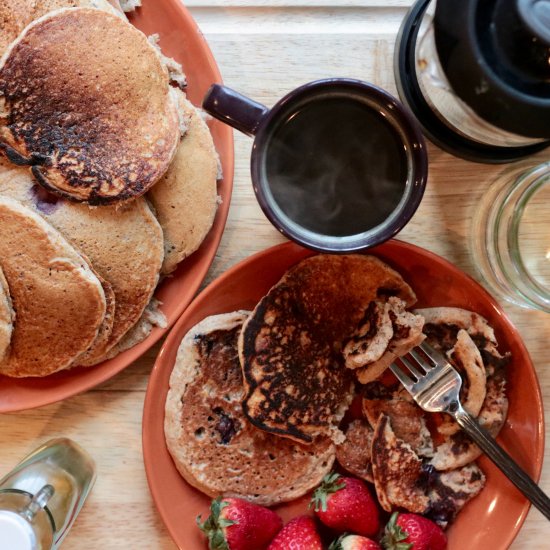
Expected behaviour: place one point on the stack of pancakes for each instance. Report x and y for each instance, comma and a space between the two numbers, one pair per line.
108, 179
257, 400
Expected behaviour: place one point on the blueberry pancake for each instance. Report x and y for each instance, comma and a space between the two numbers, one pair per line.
213, 445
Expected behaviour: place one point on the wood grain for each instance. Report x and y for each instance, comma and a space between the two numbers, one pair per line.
265, 49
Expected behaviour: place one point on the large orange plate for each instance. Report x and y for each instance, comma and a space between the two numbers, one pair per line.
181, 39
491, 520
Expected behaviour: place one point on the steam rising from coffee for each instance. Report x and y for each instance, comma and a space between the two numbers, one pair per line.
336, 166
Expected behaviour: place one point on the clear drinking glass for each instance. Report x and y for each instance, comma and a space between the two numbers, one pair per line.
41, 497
511, 237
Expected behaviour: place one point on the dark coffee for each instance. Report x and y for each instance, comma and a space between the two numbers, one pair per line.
336, 166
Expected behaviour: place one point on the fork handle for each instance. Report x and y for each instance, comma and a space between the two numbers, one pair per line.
503, 460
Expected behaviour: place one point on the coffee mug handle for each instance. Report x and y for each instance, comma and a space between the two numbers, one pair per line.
234, 109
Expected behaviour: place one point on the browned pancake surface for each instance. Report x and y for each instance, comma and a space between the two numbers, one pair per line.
290, 347
15, 15
212, 443
58, 301
124, 245
86, 102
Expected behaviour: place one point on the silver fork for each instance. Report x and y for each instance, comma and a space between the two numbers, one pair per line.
435, 386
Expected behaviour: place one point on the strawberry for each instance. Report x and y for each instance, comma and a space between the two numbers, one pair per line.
298, 534
346, 504
354, 542
413, 532
235, 524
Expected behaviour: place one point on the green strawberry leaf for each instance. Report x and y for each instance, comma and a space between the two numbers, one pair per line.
214, 526
337, 544
331, 483
394, 536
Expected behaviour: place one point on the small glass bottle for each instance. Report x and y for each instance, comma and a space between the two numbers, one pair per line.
41, 497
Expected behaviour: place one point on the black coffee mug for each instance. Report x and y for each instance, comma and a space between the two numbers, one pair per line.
338, 165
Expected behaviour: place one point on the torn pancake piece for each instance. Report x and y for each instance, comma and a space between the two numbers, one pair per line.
371, 339
458, 449
466, 359
290, 347
404, 330
407, 420
397, 471
354, 454
450, 491
85, 102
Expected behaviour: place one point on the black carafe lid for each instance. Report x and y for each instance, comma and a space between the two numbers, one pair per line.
496, 56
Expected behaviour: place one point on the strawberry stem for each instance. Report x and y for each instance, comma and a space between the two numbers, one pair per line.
214, 526
394, 536
331, 483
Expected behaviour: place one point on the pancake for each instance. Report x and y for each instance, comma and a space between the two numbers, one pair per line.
397, 471
124, 244
185, 199
354, 454
290, 347
450, 491
105, 329
407, 420
15, 15
7, 317
466, 359
59, 302
92, 114
458, 449
470, 343
151, 317
406, 334
212, 444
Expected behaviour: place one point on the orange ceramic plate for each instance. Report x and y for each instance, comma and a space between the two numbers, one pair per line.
491, 520
181, 39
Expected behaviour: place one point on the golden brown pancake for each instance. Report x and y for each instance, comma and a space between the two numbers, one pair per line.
7, 317
212, 444
86, 104
15, 15
59, 302
105, 329
124, 244
407, 420
397, 471
406, 334
151, 317
354, 454
290, 347
185, 198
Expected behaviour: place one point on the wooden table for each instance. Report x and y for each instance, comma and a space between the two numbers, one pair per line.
265, 48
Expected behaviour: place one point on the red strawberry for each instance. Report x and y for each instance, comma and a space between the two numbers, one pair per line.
235, 524
413, 532
354, 542
346, 504
298, 534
